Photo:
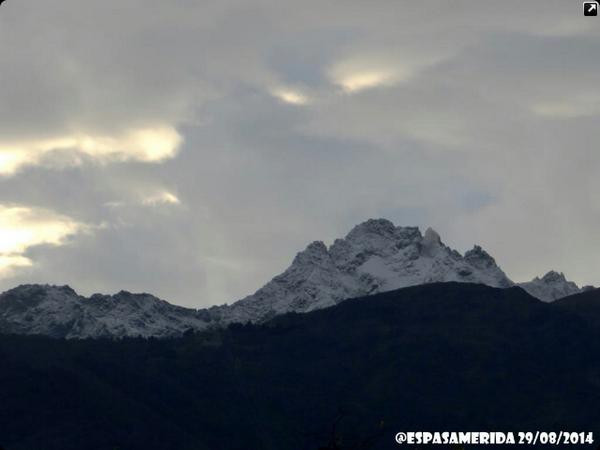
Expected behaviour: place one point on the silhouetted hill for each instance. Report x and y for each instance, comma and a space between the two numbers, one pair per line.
433, 357
586, 305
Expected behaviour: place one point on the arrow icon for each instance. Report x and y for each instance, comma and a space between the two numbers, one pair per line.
590, 8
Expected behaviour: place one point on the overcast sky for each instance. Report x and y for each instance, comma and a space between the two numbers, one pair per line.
190, 148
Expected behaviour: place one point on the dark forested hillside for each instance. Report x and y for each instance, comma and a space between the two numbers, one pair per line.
437, 357
586, 305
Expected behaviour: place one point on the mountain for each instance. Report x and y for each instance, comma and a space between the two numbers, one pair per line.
374, 257
377, 256
448, 356
59, 312
552, 286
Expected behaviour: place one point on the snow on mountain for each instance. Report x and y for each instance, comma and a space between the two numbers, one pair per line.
60, 312
552, 286
375, 256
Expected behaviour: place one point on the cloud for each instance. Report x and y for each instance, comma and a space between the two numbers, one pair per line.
586, 105
160, 197
291, 96
22, 228
150, 145
358, 81
357, 75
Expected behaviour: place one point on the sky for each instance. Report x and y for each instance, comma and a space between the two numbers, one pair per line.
191, 148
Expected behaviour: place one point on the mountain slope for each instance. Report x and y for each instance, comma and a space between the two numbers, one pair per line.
586, 305
59, 312
436, 357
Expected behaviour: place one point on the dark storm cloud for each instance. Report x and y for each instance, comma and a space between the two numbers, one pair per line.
297, 120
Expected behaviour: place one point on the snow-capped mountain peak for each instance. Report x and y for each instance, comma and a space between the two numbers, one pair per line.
554, 277
431, 238
314, 253
479, 258
375, 256
550, 287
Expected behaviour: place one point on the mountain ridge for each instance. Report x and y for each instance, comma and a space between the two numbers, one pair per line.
58, 311
375, 256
